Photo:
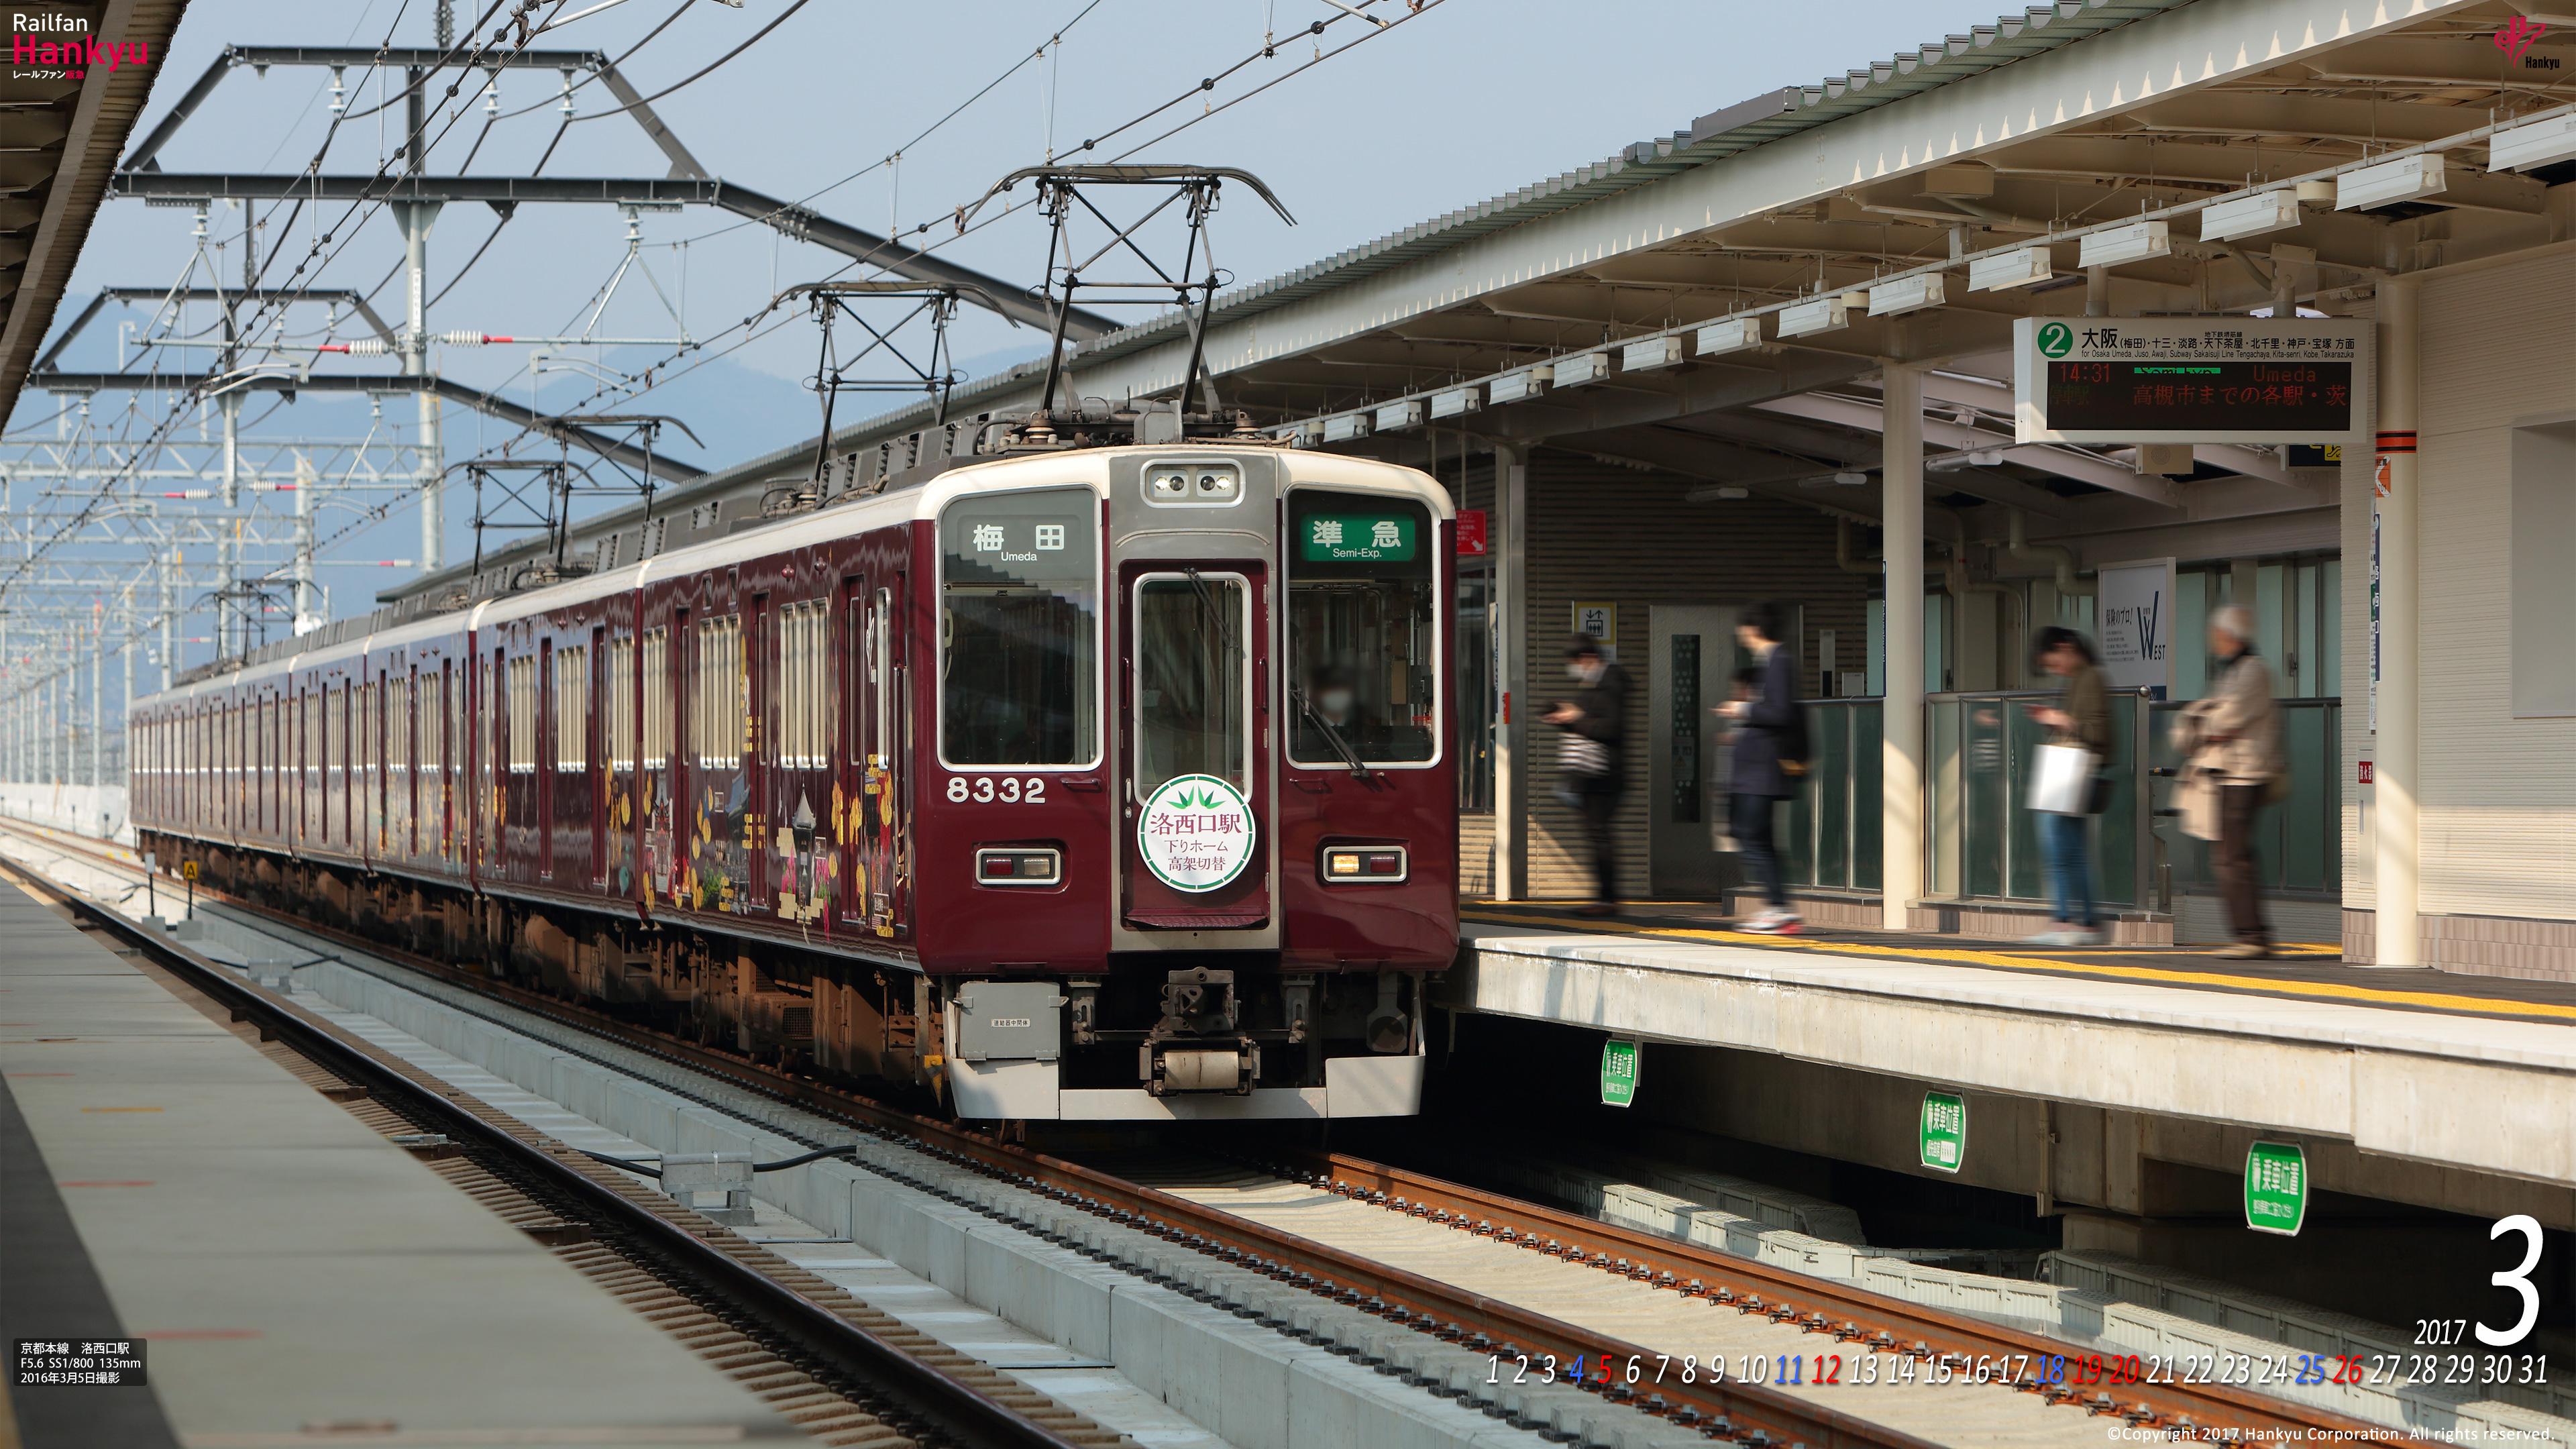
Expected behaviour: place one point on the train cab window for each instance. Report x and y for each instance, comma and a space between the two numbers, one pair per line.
1019, 628
1363, 630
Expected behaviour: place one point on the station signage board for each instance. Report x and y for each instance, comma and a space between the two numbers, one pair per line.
1941, 1136
1619, 1063
2246, 380
2276, 1187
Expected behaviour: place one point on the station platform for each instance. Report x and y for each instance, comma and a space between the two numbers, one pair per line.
2386, 1073
294, 1276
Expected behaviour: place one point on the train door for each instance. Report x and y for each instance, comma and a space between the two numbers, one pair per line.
879, 834
760, 689
853, 755
1194, 692
548, 756
687, 659
599, 761
1688, 676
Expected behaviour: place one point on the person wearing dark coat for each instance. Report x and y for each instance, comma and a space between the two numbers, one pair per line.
1770, 752
1593, 759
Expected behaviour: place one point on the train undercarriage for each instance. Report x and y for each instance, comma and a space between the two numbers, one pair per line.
1165, 1035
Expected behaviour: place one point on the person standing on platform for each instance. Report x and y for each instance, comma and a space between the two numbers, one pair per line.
1593, 759
1770, 750
2232, 739
2080, 718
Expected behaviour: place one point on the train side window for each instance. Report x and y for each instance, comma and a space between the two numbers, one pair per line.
1019, 626
717, 694
572, 709
657, 698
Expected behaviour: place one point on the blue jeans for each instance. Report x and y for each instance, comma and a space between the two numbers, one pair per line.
2070, 867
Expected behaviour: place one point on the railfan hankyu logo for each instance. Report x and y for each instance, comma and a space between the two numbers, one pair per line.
51, 46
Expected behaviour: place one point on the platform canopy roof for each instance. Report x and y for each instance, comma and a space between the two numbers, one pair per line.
2048, 126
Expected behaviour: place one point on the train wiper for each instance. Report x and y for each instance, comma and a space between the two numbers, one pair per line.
1207, 601
1332, 735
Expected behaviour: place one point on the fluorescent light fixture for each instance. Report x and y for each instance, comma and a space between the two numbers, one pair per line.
1909, 294
2136, 242
1342, 427
1455, 401
1301, 435
2537, 143
2317, 193
1650, 353
2250, 215
2020, 267
1529, 382
1581, 368
2390, 182
1732, 335
1850, 480
1816, 314
1406, 414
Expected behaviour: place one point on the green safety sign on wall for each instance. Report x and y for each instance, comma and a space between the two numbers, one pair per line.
1619, 1063
1942, 1141
1357, 538
2276, 1187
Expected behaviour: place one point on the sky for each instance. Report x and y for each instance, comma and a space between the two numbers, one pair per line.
1463, 101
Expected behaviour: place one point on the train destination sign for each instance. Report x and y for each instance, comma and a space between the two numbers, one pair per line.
2248, 380
1357, 538
1196, 833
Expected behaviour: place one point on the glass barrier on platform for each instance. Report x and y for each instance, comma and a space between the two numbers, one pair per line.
1979, 750
1830, 839
2298, 843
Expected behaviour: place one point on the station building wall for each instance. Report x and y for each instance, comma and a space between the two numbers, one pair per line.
1600, 533
2496, 547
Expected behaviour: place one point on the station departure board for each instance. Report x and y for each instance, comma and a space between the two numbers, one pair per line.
2188, 380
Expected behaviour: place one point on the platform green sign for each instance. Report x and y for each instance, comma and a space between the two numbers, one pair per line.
1619, 1063
1942, 1138
1357, 538
2276, 1187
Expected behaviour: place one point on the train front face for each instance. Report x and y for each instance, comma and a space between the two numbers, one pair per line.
1242, 862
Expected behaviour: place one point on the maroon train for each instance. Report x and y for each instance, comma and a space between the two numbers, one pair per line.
1098, 783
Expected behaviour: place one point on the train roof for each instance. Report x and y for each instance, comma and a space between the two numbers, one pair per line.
922, 500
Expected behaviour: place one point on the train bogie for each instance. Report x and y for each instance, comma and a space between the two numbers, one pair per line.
1092, 783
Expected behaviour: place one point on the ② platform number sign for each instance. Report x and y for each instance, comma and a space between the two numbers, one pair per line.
1196, 833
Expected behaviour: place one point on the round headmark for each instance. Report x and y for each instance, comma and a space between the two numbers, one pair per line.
1195, 832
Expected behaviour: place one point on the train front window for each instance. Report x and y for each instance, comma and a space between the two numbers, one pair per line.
1019, 625
1363, 630
1193, 699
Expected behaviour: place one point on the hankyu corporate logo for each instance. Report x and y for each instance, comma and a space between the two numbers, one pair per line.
50, 46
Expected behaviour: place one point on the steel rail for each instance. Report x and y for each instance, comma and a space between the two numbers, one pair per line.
956, 1409
1821, 1305
1848, 1314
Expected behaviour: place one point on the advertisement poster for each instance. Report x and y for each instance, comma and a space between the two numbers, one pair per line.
2137, 621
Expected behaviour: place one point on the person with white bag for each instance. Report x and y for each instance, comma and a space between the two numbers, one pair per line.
2066, 791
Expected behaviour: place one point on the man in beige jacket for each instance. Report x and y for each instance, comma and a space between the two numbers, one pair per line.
2232, 738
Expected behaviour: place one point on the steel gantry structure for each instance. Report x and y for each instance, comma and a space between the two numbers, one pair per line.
110, 546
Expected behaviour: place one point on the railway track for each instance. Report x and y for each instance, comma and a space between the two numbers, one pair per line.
1935, 1345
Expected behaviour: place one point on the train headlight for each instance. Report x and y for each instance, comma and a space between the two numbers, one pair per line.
1365, 865
1019, 865
1167, 485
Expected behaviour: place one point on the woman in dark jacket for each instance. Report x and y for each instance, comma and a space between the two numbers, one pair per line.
2081, 717
1592, 759
1770, 749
